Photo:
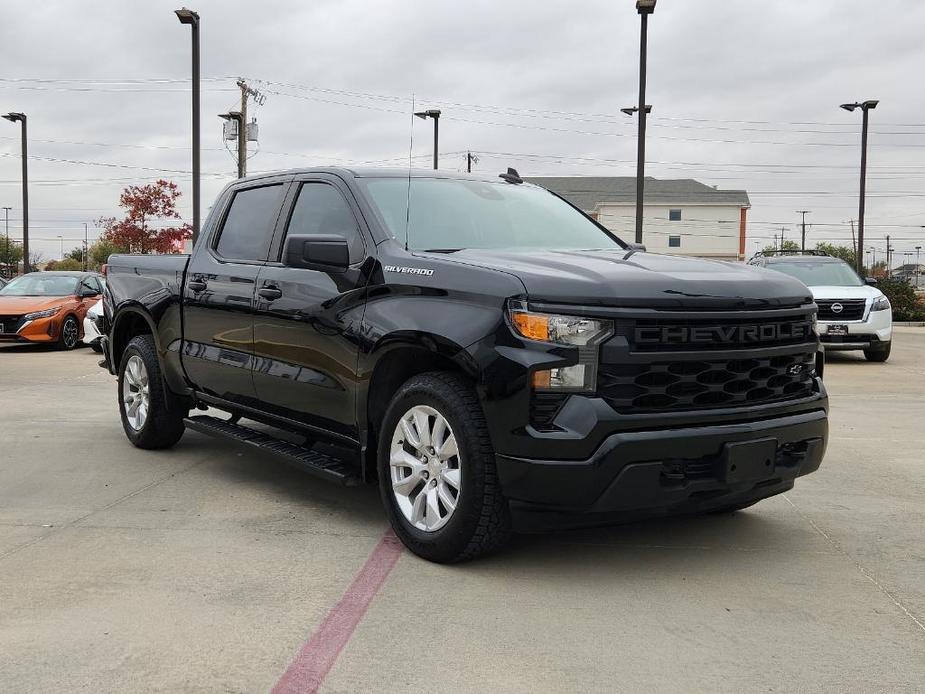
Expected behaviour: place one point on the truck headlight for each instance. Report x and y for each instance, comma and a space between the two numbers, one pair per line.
881, 303
574, 331
42, 314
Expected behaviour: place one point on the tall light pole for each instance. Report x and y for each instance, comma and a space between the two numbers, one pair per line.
192, 18
24, 152
644, 8
61, 239
804, 213
86, 247
238, 118
865, 106
435, 114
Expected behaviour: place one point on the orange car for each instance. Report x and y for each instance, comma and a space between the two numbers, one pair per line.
47, 307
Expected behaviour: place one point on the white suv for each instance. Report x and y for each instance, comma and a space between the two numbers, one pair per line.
853, 313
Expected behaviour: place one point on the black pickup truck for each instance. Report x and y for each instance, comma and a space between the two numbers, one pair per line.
482, 350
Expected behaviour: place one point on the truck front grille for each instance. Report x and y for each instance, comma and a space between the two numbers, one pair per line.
851, 309
692, 385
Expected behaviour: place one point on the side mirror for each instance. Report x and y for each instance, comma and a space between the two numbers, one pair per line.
870, 280
88, 293
328, 253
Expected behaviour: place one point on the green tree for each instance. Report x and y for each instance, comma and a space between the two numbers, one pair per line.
68, 264
76, 254
10, 255
846, 253
788, 246
101, 250
906, 304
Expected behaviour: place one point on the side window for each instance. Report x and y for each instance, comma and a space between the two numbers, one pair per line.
90, 283
321, 209
674, 215
249, 223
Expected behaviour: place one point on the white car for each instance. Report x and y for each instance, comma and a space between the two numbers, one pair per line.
853, 313
93, 323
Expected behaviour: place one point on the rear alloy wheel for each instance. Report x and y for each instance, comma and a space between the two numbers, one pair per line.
437, 475
70, 334
146, 419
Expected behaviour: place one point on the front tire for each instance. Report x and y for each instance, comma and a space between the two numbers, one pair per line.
437, 475
146, 419
878, 355
70, 334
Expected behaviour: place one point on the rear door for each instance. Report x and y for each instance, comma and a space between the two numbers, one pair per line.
218, 311
307, 321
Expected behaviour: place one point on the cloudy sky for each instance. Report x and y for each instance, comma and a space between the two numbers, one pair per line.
745, 95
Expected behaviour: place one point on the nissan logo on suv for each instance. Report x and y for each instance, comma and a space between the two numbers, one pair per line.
837, 307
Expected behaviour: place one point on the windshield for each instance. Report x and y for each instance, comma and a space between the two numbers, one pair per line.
40, 285
820, 273
451, 214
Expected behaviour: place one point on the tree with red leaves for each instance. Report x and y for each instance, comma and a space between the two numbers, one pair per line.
144, 205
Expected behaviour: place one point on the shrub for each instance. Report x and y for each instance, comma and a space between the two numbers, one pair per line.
907, 306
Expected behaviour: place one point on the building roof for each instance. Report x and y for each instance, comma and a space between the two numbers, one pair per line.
587, 192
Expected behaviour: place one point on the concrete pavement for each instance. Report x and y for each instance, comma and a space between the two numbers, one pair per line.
206, 569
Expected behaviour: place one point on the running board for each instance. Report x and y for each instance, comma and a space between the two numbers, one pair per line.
314, 462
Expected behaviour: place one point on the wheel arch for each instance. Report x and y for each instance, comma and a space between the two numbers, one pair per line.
396, 359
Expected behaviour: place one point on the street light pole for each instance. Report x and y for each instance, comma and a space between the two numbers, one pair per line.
865, 106
644, 8
435, 114
804, 213
86, 247
918, 250
24, 150
192, 18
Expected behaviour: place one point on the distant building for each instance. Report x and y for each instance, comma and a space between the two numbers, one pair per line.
680, 216
911, 273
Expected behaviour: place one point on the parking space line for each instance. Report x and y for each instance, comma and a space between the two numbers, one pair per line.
315, 659
860, 567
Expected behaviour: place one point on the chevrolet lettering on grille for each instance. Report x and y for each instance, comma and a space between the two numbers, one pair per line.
723, 334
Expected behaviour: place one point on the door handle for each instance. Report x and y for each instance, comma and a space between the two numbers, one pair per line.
197, 285
270, 293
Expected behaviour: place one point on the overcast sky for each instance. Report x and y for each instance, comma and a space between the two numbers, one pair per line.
745, 94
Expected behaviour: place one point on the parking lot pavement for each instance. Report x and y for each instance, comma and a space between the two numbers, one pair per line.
206, 569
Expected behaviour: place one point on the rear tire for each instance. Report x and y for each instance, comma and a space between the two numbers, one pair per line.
70, 334
470, 515
146, 419
878, 355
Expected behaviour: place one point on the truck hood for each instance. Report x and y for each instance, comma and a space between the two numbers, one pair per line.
620, 278
18, 305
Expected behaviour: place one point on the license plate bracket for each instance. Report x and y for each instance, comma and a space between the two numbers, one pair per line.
749, 461
837, 330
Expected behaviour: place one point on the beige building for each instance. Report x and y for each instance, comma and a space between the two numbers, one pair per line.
680, 216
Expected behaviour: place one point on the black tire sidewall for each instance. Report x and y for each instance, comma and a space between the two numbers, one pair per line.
447, 543
162, 428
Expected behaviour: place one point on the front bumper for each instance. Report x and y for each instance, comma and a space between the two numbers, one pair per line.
672, 471
870, 333
91, 334
37, 330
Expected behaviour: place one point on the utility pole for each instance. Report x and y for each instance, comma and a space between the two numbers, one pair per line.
644, 8
889, 258
21, 119
242, 131
435, 114
470, 157
918, 250
854, 245
8, 255
781, 246
86, 247
804, 213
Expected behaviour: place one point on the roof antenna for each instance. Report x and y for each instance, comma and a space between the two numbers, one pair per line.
511, 176
410, 159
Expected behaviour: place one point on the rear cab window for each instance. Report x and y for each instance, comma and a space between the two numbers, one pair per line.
248, 226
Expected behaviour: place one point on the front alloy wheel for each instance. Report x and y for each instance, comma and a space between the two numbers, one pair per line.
425, 468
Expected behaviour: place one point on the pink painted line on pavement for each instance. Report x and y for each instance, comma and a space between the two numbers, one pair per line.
315, 659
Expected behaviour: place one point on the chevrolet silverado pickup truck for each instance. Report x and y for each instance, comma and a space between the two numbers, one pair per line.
487, 354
